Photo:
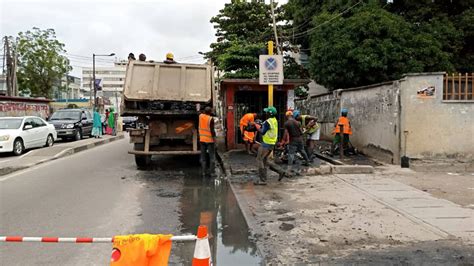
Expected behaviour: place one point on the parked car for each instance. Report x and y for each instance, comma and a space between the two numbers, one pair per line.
18, 134
129, 122
72, 123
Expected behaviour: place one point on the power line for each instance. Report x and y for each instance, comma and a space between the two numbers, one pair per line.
304, 33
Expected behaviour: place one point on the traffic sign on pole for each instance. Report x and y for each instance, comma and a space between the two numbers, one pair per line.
271, 70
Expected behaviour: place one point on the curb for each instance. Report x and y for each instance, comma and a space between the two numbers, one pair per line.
62, 154
84, 147
245, 214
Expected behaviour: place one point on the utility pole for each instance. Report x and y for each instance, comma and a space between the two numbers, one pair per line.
14, 78
4, 55
67, 89
9, 68
274, 27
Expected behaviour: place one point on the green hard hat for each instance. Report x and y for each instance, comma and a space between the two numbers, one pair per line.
271, 110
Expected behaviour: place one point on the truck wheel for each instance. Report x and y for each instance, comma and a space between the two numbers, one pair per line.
142, 161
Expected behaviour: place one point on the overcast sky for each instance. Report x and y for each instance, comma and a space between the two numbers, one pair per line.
118, 26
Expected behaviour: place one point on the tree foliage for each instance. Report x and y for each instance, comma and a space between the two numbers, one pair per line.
243, 30
354, 43
40, 62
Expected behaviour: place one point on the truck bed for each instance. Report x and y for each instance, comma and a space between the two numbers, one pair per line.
146, 81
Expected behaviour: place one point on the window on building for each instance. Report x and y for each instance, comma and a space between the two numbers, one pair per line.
458, 87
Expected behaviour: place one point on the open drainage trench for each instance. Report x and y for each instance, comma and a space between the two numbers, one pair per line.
176, 199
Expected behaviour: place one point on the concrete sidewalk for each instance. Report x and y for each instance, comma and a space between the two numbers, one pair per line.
59, 150
338, 217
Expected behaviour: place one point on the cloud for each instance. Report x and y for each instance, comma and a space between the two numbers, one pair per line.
118, 26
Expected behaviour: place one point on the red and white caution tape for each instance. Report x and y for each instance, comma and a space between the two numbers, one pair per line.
78, 240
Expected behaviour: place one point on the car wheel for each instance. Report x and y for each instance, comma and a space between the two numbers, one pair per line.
18, 147
78, 135
49, 141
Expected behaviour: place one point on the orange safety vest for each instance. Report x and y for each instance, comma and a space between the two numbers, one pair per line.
246, 119
347, 126
205, 134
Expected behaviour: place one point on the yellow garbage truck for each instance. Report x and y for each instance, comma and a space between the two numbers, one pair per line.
167, 99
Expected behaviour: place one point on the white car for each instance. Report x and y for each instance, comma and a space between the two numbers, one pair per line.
18, 134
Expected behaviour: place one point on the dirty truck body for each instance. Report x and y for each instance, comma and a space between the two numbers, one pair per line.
167, 99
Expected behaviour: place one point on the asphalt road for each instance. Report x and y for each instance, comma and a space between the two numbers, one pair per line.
99, 193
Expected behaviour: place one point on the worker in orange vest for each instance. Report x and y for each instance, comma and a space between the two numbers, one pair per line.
247, 130
347, 130
207, 136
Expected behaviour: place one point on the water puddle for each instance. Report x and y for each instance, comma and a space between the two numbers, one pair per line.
179, 201
213, 204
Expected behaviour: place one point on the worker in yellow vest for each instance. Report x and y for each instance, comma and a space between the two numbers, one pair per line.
247, 130
269, 131
207, 136
311, 130
346, 130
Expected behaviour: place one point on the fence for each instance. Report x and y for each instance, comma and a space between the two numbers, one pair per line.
458, 87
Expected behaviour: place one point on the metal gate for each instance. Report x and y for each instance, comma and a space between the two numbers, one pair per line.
255, 102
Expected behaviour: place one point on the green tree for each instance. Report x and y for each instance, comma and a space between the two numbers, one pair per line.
242, 29
465, 57
412, 36
371, 46
40, 63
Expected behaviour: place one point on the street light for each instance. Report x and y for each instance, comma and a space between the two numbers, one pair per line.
93, 75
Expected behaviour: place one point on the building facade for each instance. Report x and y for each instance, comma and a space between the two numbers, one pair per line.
68, 88
421, 116
111, 80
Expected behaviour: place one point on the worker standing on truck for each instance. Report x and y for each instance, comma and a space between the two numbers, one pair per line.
346, 130
169, 59
207, 136
269, 131
247, 130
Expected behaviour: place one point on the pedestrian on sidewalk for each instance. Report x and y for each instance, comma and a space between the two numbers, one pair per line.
296, 141
311, 131
269, 131
247, 130
97, 124
105, 122
111, 122
207, 135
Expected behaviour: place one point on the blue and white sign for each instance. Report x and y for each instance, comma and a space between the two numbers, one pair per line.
271, 69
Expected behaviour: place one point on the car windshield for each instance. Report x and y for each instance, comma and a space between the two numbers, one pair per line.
10, 123
66, 115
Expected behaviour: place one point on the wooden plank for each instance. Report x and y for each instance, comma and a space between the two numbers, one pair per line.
466, 87
452, 89
445, 93
460, 87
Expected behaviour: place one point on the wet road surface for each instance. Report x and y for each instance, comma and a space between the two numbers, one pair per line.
99, 193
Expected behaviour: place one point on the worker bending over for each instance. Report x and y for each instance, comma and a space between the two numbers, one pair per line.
247, 130
311, 130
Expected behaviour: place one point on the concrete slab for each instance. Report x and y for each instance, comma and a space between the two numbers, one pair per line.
439, 213
352, 169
